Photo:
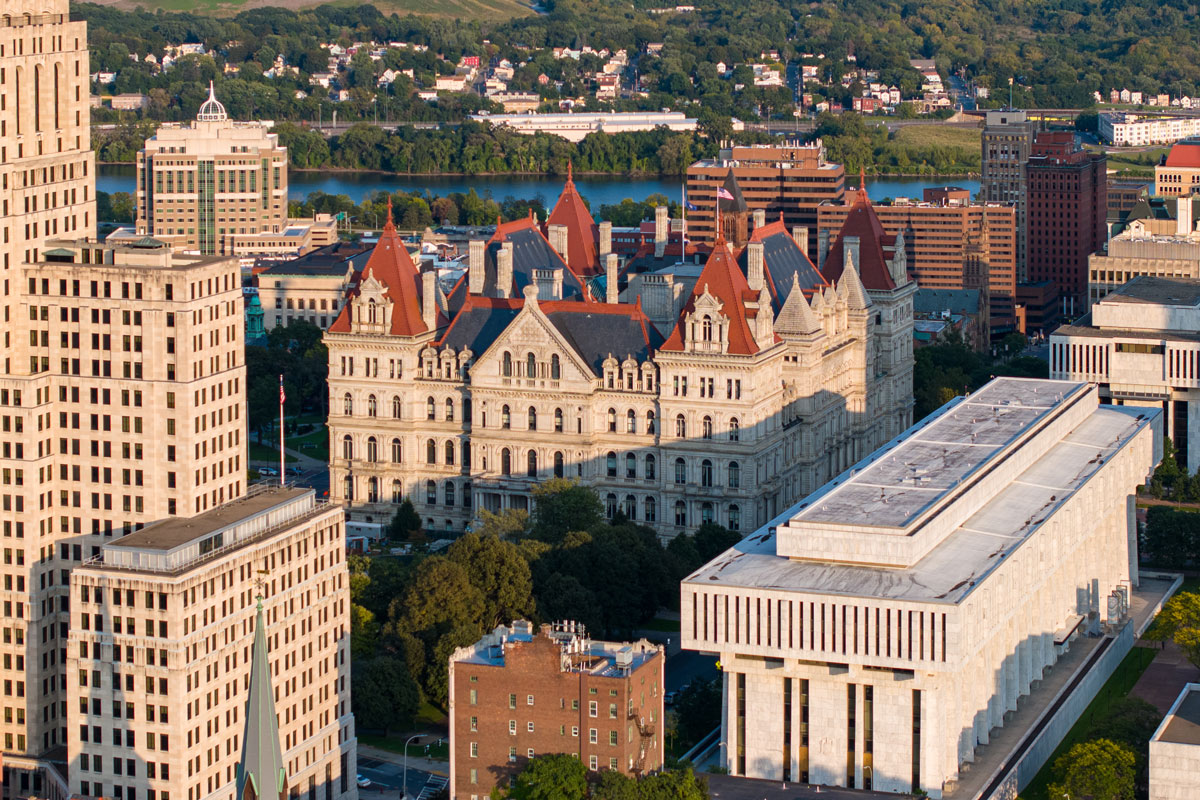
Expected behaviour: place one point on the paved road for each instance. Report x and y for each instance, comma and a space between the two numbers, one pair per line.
687, 666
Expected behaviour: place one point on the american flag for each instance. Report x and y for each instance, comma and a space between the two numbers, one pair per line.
724, 194
282, 396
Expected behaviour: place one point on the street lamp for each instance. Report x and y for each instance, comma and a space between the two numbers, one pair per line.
404, 780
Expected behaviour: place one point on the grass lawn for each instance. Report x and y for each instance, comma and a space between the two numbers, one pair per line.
952, 136
1136, 163
314, 444
394, 743
261, 452
1118, 686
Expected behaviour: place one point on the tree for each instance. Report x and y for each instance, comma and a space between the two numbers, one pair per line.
713, 539
406, 524
1099, 769
556, 776
613, 785
500, 572
385, 695
511, 523
1179, 621
673, 784
698, 709
364, 632
563, 505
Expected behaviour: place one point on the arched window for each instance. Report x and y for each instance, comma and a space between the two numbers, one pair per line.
610, 505
372, 406
396, 405
706, 427
348, 487
430, 451
649, 422
555, 368
532, 418
706, 473
506, 365
612, 420
734, 429
611, 464
649, 467
505, 462
680, 471
449, 409
347, 447
706, 513
373, 490
372, 449
558, 420
531, 464
505, 418
397, 492
707, 328
735, 518
735, 475
680, 513
431, 493
449, 454
680, 426
347, 404
558, 464
630, 421
629, 507
397, 451
430, 409
448, 492
651, 509
530, 366
630, 465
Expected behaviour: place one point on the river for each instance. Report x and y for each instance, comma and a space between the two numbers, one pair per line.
598, 189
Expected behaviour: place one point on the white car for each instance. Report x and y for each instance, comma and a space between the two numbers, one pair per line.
268, 471
362, 782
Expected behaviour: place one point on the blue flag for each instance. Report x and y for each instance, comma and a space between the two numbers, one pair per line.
690, 207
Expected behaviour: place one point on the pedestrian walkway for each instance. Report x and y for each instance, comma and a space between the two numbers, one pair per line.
1164, 679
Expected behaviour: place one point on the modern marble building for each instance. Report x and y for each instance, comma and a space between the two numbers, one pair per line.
1175, 750
877, 632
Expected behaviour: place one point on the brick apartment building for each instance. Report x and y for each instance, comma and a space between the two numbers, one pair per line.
1067, 213
951, 243
515, 694
791, 180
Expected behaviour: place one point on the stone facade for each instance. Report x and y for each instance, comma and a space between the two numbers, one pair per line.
755, 381
159, 651
877, 632
1175, 750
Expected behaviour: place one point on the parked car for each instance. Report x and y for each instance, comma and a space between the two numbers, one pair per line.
362, 782
297, 471
268, 472
669, 698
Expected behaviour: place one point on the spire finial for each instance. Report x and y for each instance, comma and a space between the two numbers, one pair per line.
390, 225
570, 175
862, 186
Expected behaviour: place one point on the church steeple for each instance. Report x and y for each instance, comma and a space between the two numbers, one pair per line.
260, 773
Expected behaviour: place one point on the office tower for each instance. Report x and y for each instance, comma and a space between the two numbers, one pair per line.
1067, 213
173, 690
206, 185
1007, 138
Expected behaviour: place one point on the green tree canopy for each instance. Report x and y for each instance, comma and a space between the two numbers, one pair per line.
385, 697
555, 776
562, 505
1099, 769
500, 572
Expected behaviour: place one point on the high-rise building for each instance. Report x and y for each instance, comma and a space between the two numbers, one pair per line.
207, 185
789, 179
1067, 220
516, 694
951, 243
1007, 138
172, 692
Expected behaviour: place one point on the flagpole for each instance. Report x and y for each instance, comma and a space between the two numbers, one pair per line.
683, 211
282, 397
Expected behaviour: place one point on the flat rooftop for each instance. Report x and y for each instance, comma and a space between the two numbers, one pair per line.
1154, 290
1182, 725
332, 259
172, 532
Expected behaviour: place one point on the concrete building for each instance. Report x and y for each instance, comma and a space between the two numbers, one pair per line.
516, 694
1175, 750
876, 633
790, 179
1178, 173
166, 658
203, 184
1140, 345
951, 243
796, 372
299, 236
1135, 252
1006, 142
1067, 213
1137, 130
313, 287
575, 127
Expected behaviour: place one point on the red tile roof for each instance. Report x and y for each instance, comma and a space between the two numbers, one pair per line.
1184, 155
582, 232
723, 279
392, 266
874, 245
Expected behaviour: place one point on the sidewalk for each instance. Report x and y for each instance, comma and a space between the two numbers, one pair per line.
1164, 679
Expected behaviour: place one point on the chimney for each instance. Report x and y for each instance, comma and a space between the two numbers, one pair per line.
1183, 215
558, 240
475, 266
822, 248
754, 265
556, 285
850, 249
800, 235
504, 270
760, 217
605, 238
610, 278
429, 308
661, 220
